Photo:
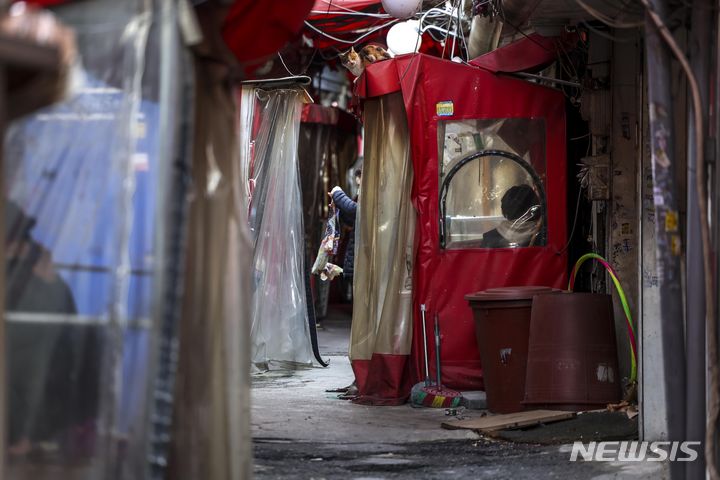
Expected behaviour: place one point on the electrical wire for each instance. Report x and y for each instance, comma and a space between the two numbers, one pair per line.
282, 60
467, 50
457, 27
606, 35
623, 300
350, 42
627, 7
519, 30
572, 230
351, 13
605, 18
439, 29
285, 65
415, 55
702, 198
447, 29
347, 9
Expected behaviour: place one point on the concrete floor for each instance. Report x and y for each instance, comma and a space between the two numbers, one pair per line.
302, 432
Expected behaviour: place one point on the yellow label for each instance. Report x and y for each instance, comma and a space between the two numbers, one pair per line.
675, 245
444, 109
671, 221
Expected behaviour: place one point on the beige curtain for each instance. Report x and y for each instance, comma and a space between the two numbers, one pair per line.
211, 428
382, 289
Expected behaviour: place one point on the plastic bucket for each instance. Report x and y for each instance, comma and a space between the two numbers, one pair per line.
572, 356
502, 327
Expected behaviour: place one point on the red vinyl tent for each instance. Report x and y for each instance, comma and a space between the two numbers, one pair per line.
435, 91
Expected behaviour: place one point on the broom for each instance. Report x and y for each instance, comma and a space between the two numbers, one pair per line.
417, 390
435, 396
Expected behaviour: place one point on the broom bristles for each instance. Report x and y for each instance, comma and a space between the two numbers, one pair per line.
434, 397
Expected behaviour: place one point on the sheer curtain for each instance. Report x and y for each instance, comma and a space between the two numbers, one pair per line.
382, 310
280, 332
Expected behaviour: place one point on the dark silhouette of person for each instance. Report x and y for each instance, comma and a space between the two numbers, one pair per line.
52, 374
520, 206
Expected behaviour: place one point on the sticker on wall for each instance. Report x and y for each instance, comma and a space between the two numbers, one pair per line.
671, 221
445, 109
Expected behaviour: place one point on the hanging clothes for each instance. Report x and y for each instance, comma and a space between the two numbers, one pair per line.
328, 248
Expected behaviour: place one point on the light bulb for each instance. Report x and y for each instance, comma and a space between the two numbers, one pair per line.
402, 9
403, 37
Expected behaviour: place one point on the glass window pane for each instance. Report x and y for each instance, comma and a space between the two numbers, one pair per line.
496, 200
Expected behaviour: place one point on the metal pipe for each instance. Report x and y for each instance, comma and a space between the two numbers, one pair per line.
484, 35
175, 85
668, 246
712, 448
715, 129
425, 347
695, 286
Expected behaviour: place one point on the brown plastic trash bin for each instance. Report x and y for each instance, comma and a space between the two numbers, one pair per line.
572, 357
502, 327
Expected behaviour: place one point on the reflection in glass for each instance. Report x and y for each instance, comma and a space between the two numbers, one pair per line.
494, 201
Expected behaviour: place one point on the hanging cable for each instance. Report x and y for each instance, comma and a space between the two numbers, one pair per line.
467, 50
519, 30
457, 26
347, 10
304, 71
284, 65
712, 331
351, 13
572, 230
607, 36
612, 22
350, 42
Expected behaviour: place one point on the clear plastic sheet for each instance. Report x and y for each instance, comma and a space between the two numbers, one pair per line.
81, 218
492, 202
280, 332
385, 231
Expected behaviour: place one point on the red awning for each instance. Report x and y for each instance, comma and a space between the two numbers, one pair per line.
534, 52
340, 24
255, 30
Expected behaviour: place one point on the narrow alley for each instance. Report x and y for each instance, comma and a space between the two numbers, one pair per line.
300, 431
359, 239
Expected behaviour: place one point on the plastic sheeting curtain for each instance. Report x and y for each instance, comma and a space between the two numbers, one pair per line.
382, 318
211, 427
81, 231
280, 332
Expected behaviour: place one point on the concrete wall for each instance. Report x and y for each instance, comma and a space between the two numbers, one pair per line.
624, 231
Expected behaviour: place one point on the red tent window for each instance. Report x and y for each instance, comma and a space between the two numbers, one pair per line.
480, 161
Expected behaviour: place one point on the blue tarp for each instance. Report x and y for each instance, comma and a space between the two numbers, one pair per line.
63, 174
